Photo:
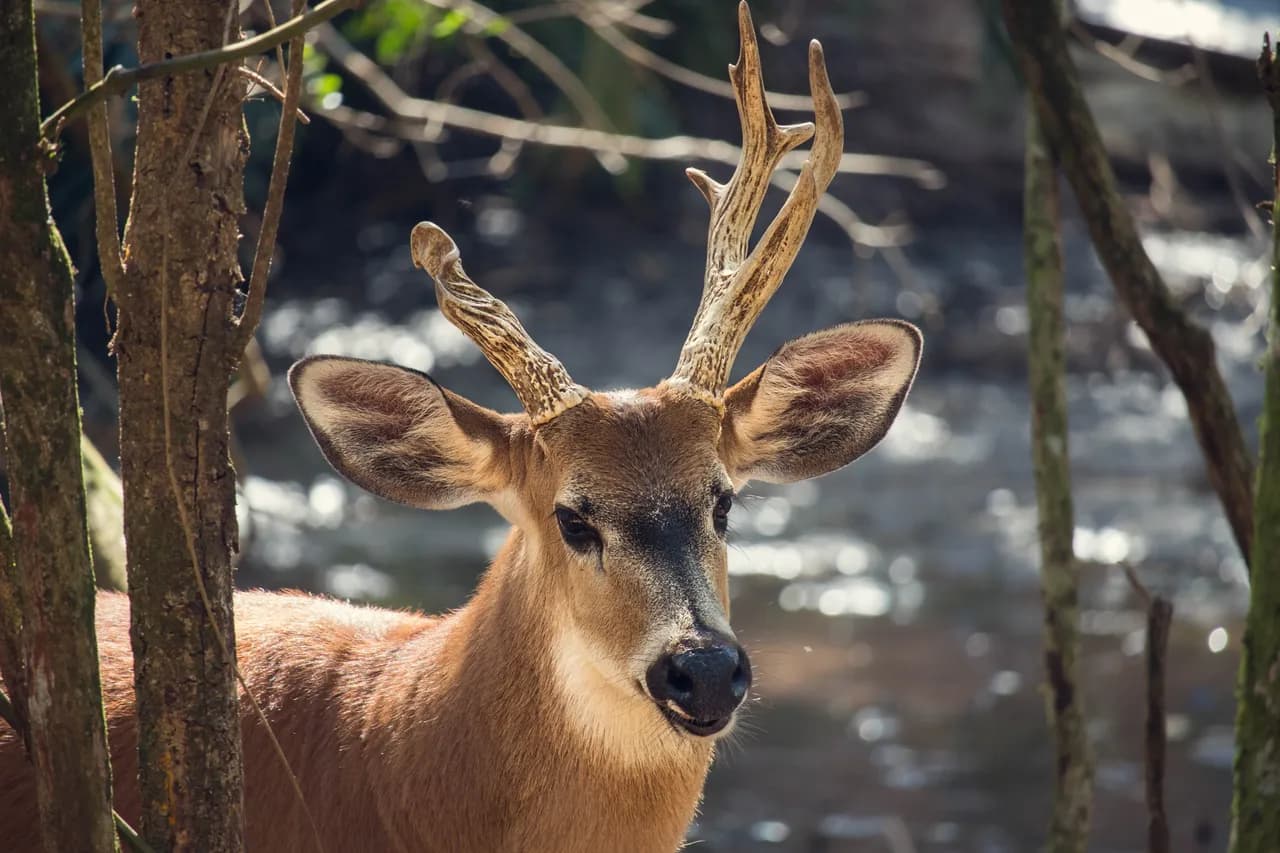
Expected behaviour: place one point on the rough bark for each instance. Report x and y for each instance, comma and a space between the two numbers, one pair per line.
173, 351
1256, 811
1073, 766
1040, 47
55, 592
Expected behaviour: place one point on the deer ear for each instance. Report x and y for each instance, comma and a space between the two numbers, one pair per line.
819, 402
398, 434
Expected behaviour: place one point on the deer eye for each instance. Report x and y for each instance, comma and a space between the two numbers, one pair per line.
720, 515
575, 531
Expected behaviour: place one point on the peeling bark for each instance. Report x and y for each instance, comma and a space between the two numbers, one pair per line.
1256, 810
174, 354
61, 696
1073, 777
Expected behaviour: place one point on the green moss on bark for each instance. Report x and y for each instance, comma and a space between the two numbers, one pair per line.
55, 590
1073, 766
1256, 810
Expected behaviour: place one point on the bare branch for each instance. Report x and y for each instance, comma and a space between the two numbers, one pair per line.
410, 114
1159, 616
119, 79
266, 85
1183, 345
646, 58
104, 185
1059, 579
483, 19
247, 325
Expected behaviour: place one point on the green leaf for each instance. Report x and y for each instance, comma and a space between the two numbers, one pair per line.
324, 84
449, 24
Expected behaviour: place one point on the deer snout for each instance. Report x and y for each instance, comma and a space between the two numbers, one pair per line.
699, 688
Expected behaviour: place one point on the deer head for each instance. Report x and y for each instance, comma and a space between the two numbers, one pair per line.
621, 499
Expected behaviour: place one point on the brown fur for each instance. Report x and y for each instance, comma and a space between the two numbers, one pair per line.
520, 722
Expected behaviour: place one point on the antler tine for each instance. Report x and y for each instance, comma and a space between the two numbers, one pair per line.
538, 378
735, 291
735, 205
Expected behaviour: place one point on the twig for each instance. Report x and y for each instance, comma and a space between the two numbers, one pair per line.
9, 713
119, 79
1159, 615
1073, 780
859, 233
481, 19
132, 839
1183, 345
262, 82
646, 58
247, 325
104, 185
411, 114
1230, 171
1126, 60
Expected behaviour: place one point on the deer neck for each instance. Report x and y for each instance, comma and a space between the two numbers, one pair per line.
549, 738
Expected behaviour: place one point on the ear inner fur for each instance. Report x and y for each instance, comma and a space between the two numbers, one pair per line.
398, 434
819, 402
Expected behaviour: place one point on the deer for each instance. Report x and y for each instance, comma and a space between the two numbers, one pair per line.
575, 702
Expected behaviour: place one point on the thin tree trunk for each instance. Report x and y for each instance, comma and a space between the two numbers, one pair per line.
1073, 766
55, 591
173, 349
1040, 46
1256, 811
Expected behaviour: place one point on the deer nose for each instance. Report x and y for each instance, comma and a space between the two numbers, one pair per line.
699, 688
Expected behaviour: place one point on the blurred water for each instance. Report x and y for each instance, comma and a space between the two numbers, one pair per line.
892, 608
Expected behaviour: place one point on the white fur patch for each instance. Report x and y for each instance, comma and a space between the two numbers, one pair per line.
617, 720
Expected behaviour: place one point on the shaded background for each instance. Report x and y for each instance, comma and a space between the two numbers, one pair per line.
891, 609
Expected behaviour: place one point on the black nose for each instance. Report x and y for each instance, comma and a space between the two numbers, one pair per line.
706, 684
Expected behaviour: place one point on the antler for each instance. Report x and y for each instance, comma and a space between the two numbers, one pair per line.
736, 290
538, 378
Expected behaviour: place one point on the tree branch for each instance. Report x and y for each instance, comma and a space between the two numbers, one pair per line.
1159, 615
645, 58
106, 217
410, 115
119, 79
1073, 780
1185, 347
247, 325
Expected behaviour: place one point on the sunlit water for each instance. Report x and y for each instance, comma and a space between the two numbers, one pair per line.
892, 608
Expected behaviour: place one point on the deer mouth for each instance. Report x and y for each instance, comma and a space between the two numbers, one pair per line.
698, 728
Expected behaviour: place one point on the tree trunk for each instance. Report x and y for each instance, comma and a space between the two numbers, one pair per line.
173, 351
55, 591
1073, 766
1040, 46
1256, 812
